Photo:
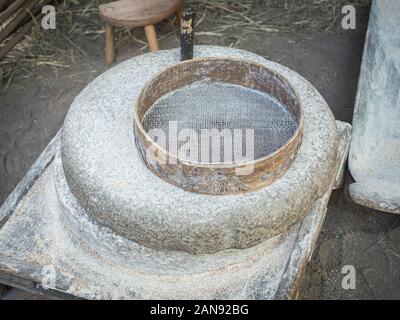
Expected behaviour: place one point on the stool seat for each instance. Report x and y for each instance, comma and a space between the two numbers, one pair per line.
137, 13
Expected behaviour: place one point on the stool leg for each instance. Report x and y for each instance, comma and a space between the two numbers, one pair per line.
151, 37
178, 16
110, 53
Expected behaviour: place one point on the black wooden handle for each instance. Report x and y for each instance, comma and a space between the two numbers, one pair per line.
187, 32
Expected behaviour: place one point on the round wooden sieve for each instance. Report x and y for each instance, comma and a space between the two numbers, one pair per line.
184, 93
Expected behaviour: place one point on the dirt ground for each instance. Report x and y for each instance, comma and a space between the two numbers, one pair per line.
33, 105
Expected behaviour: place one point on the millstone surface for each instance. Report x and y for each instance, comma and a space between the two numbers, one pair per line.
109, 181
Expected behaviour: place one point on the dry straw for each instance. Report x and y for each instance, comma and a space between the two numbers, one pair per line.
217, 22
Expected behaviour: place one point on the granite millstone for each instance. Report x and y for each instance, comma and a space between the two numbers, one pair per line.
107, 177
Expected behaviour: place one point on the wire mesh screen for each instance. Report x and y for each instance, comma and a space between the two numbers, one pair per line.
209, 104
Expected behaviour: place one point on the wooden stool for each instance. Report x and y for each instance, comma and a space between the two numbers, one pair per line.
136, 13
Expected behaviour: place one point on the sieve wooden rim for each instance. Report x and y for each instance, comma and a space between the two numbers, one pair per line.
220, 178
